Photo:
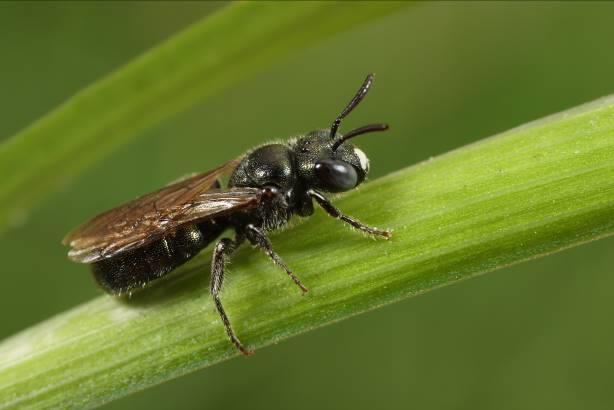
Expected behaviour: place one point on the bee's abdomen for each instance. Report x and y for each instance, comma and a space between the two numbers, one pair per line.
135, 269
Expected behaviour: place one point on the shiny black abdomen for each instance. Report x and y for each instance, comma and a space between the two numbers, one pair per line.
133, 270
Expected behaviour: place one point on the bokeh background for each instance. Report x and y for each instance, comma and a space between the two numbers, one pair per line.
537, 335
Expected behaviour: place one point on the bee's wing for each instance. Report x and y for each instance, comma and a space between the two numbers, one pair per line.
149, 217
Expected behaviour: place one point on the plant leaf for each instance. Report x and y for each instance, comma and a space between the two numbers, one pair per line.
526, 193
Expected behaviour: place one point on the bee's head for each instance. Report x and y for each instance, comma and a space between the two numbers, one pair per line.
327, 161
332, 165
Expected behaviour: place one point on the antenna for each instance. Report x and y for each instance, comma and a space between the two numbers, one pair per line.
359, 131
360, 94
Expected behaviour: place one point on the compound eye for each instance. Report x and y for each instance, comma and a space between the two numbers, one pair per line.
335, 175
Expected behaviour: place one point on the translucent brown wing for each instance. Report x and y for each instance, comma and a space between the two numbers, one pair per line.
149, 217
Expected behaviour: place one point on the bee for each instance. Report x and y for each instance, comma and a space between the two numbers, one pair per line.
141, 241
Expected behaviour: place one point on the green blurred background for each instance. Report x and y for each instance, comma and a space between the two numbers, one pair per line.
538, 335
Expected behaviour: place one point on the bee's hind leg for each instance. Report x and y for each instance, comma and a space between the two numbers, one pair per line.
222, 250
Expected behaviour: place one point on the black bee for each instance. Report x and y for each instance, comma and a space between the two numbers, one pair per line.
141, 241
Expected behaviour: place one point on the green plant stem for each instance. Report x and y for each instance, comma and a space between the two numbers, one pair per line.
210, 55
520, 195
